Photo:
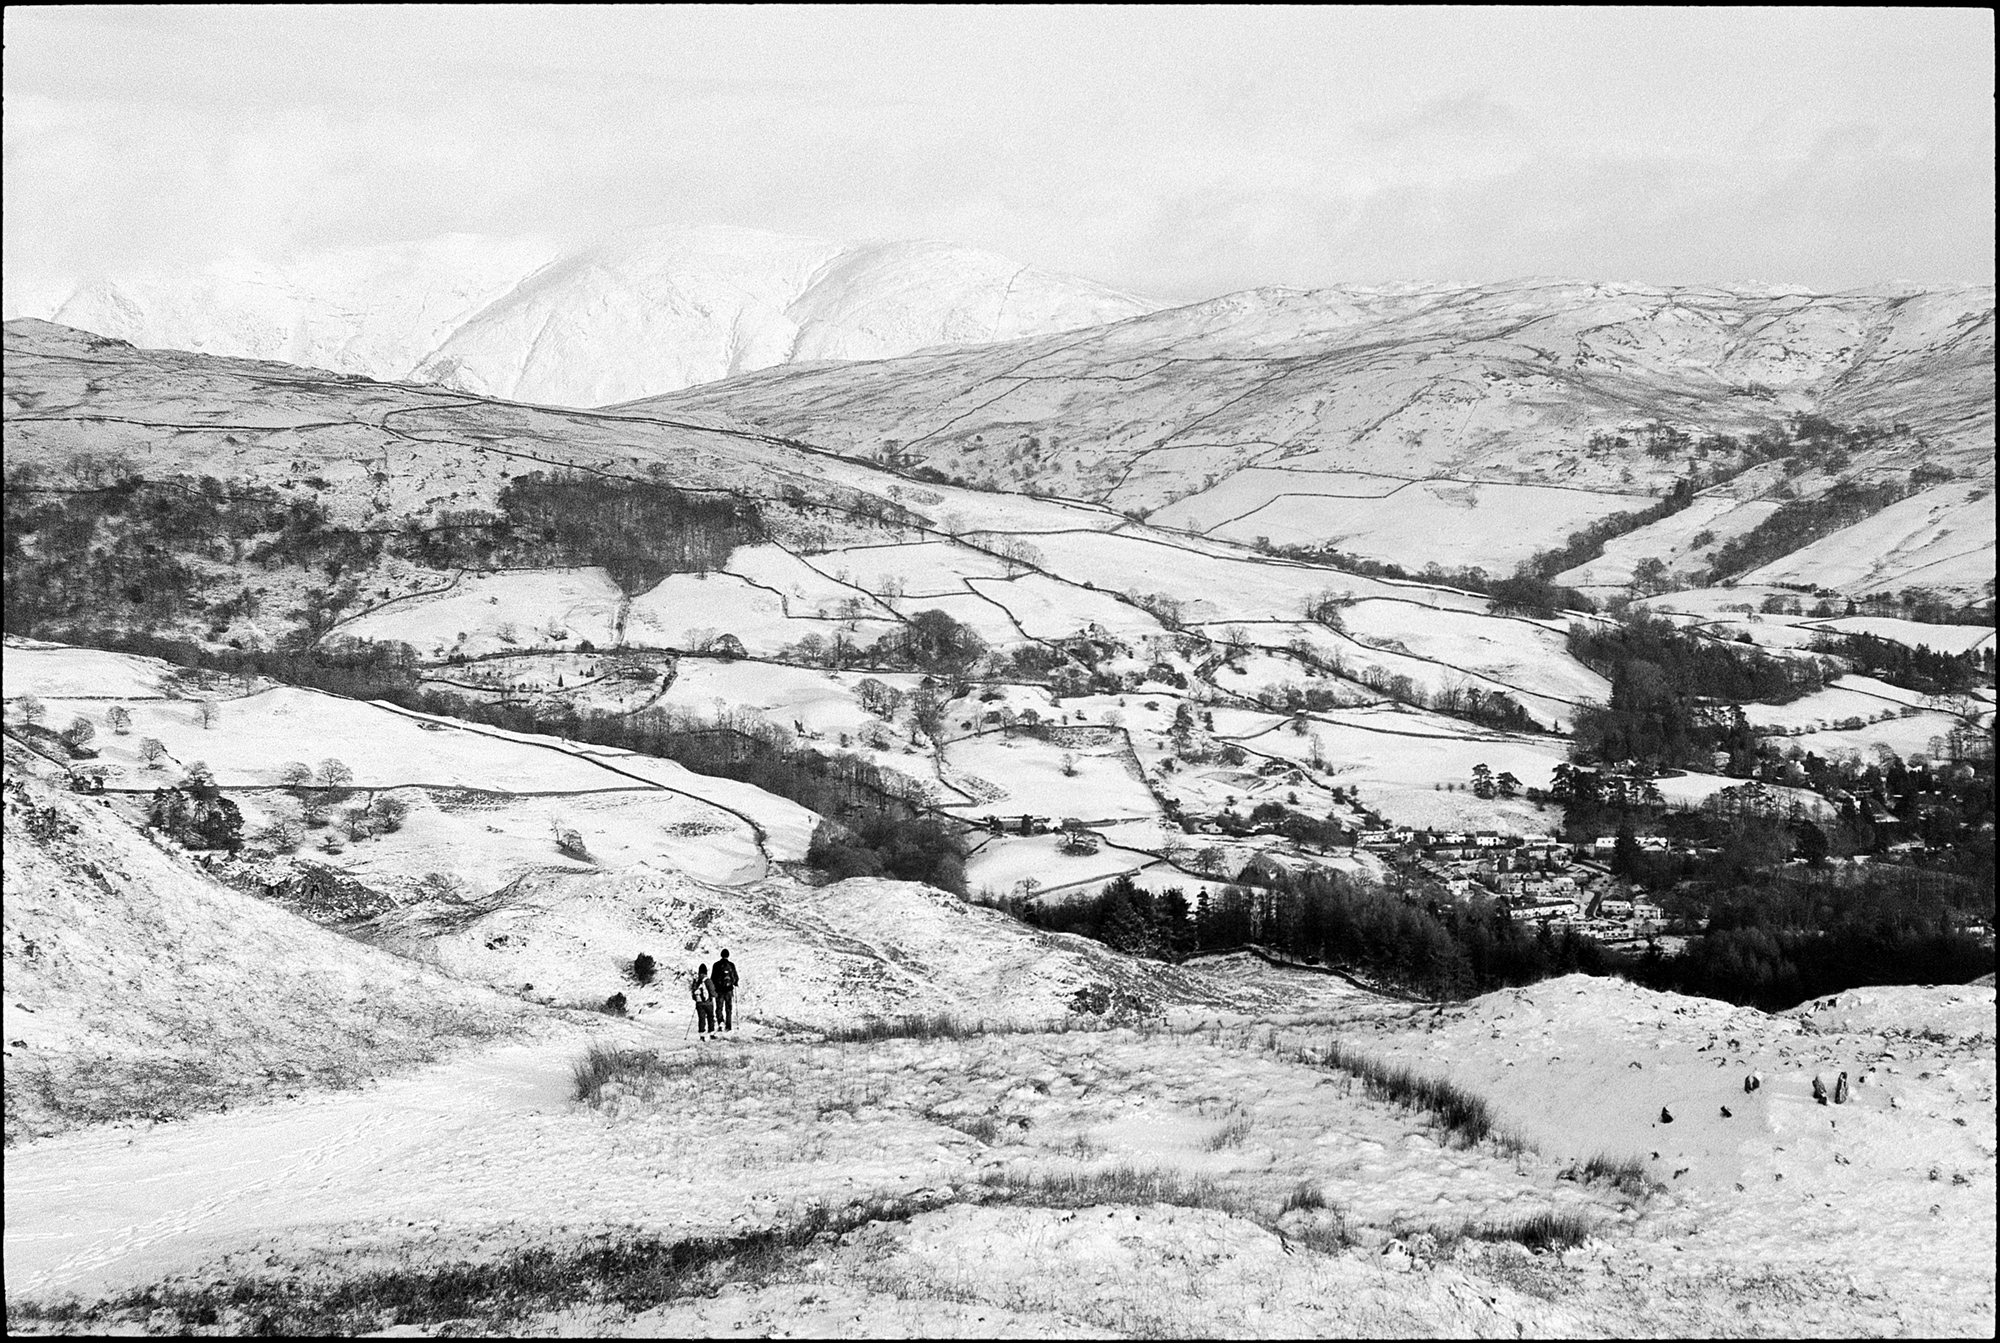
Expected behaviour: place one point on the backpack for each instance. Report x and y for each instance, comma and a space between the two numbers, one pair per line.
698, 988
724, 976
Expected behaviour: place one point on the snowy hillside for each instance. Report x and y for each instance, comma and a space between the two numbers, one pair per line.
634, 315
1417, 425
140, 987
1201, 1179
374, 311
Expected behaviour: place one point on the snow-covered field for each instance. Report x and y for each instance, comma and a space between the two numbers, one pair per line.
204, 1086
1941, 538
1941, 638
482, 801
1889, 716
1781, 1218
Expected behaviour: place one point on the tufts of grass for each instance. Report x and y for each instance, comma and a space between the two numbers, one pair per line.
945, 1026
983, 1127
1230, 1134
635, 1272
602, 1065
1082, 1147
1327, 1234
1127, 1184
1626, 1174
1305, 1195
1453, 1108
933, 1026
1537, 1231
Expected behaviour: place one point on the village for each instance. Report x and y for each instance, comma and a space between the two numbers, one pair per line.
1535, 878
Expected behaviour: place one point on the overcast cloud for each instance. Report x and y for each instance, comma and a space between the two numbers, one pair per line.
1179, 153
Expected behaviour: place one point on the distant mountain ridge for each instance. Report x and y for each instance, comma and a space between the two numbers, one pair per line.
638, 314
1458, 425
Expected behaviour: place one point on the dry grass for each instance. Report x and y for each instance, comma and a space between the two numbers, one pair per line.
635, 1273
1453, 1108
940, 1026
1537, 1231
1122, 1183
1230, 1134
638, 1069
1305, 1196
984, 1127
1626, 1174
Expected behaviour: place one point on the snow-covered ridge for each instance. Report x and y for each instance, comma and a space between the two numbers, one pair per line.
1459, 425
639, 314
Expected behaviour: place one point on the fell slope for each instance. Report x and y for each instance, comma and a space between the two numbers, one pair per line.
140, 987
1410, 424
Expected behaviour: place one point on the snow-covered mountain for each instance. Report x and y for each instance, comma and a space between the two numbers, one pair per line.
1456, 425
636, 315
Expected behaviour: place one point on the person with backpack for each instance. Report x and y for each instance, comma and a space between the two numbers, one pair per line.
704, 1001
723, 982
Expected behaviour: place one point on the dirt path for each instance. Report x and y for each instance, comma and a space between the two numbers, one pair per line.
120, 1205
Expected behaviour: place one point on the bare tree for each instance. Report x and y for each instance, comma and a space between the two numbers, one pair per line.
119, 719
78, 734
569, 841
283, 836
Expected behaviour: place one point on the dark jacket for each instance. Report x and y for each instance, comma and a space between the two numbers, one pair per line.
723, 976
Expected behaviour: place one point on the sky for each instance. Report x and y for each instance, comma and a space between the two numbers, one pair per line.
1177, 153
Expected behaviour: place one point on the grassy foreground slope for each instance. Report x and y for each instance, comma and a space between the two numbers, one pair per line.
1168, 1180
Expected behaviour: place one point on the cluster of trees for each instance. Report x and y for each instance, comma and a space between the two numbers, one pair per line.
929, 641
1770, 945
1329, 919
1667, 686
1920, 668
1527, 590
196, 813
1776, 940
1457, 699
1490, 708
110, 543
1801, 440
106, 545
639, 530
1588, 542
1800, 522
1924, 606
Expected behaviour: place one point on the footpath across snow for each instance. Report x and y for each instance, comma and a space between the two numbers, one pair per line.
1799, 1219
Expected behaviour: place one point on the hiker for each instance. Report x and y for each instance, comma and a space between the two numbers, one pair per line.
723, 981
1840, 1090
704, 1001
1819, 1091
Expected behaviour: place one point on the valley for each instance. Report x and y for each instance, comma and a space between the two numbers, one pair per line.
1119, 872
